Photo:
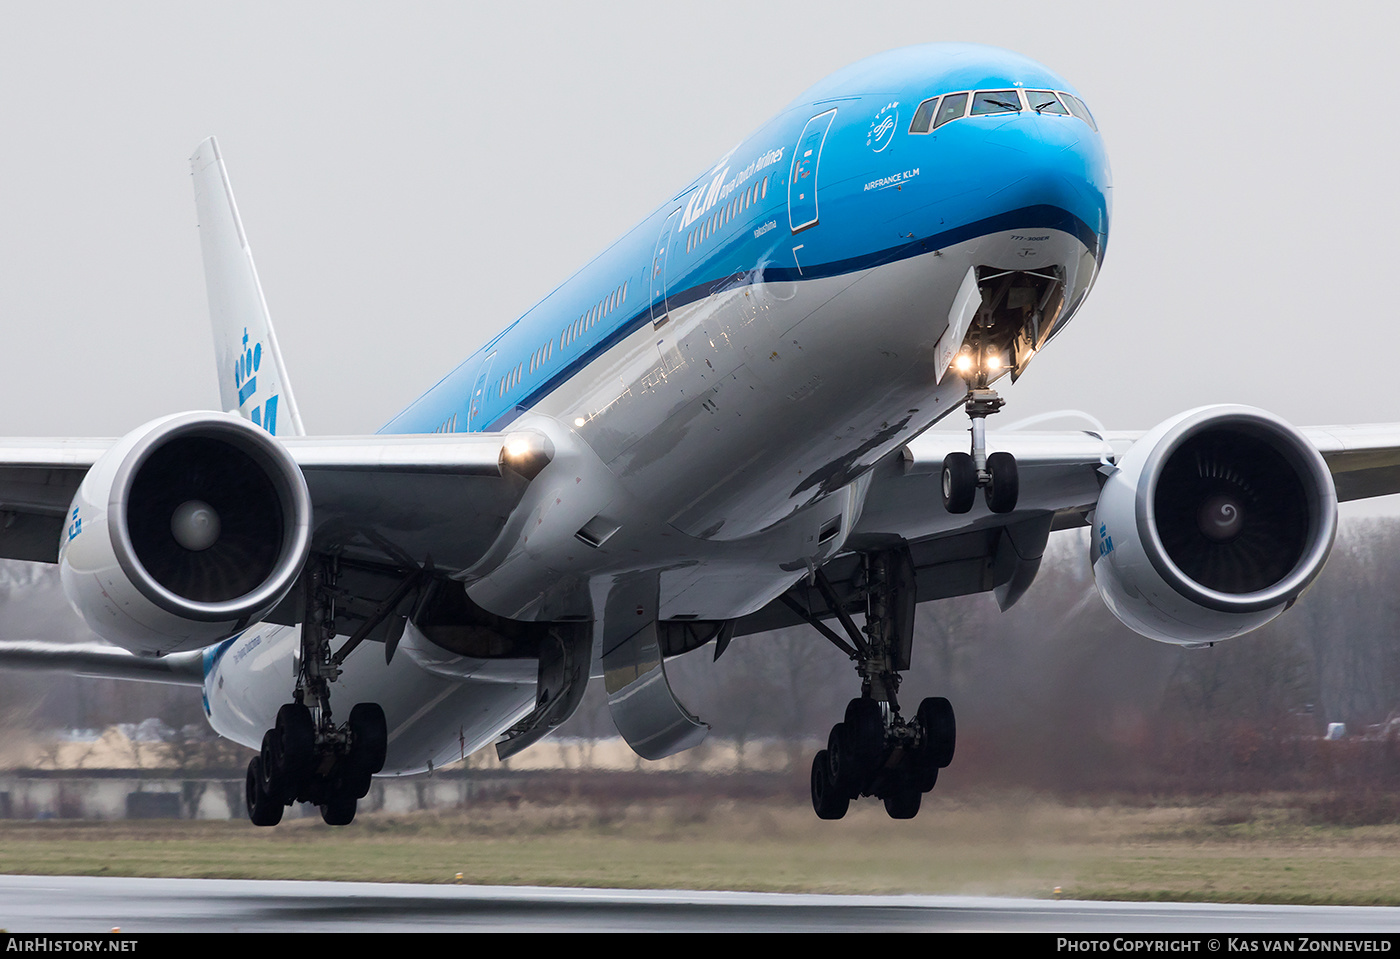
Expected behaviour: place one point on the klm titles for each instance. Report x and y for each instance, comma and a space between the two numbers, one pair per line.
704, 199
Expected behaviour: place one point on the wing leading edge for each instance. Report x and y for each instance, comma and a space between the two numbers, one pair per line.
1061, 474
1364, 460
381, 497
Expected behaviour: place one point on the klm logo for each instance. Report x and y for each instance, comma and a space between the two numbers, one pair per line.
245, 378
702, 200
1105, 541
75, 527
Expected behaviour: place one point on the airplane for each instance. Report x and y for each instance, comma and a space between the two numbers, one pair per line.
718, 427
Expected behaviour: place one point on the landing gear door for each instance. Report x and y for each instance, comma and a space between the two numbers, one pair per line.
965, 307
802, 183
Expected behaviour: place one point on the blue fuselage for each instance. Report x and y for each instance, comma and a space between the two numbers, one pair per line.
719, 382
833, 190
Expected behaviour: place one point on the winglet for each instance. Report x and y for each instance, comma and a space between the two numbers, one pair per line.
252, 378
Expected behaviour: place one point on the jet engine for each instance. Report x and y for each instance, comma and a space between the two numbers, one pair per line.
185, 531
1213, 524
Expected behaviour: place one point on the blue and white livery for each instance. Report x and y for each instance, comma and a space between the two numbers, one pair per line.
717, 427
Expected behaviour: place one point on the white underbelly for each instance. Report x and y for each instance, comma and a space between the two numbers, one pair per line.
434, 718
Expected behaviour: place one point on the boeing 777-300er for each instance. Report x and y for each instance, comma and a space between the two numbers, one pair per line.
715, 428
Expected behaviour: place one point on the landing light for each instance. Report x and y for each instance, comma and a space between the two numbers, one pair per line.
963, 364
993, 362
579, 421
526, 452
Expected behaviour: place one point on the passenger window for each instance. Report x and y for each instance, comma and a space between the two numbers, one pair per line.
923, 117
989, 102
951, 109
1043, 101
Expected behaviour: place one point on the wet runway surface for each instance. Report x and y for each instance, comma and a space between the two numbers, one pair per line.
88, 904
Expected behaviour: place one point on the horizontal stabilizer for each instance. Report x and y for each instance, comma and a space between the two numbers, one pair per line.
104, 662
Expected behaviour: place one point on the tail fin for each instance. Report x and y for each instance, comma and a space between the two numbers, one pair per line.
252, 379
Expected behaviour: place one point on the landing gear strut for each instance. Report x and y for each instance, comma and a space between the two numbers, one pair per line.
994, 473
306, 757
875, 751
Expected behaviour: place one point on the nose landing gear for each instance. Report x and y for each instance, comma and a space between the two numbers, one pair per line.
875, 751
994, 473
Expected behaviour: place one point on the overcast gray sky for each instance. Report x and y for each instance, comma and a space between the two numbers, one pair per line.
413, 176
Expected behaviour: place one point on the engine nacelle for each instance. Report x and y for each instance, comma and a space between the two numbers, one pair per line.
185, 531
1213, 524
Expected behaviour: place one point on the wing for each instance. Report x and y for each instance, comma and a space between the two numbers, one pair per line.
955, 555
377, 499
1061, 474
1364, 460
38, 479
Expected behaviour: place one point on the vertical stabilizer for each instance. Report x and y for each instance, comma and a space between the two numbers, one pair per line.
252, 378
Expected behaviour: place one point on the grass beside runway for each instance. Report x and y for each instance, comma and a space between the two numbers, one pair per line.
1257, 850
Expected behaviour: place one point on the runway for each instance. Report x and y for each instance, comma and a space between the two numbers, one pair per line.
69, 904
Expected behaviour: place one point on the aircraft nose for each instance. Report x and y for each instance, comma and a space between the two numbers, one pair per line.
1062, 164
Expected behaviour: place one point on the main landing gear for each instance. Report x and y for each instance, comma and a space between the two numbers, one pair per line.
306, 757
875, 751
994, 473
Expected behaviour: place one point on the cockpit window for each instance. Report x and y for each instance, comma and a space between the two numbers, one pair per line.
1044, 101
952, 108
989, 102
936, 111
923, 117
1077, 107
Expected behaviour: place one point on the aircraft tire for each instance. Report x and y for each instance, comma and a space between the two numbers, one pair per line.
924, 775
263, 810
903, 803
370, 733
865, 727
828, 802
272, 776
959, 482
939, 730
844, 762
338, 810
1005, 485
296, 736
